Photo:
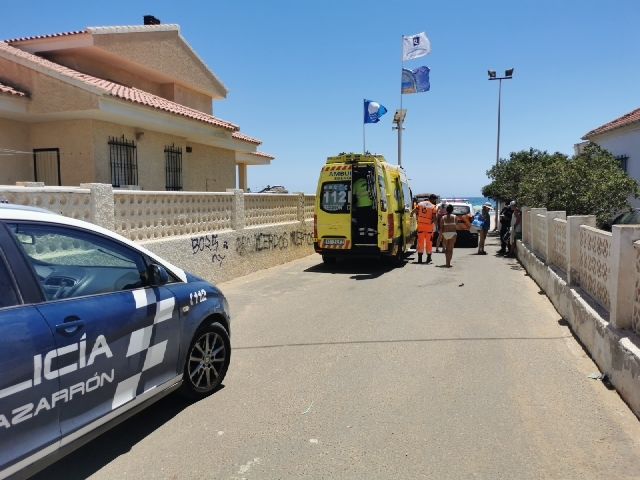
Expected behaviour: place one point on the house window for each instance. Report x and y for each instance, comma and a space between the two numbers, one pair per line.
622, 161
173, 167
123, 156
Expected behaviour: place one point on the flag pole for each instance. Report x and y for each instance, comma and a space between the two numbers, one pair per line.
401, 66
364, 144
400, 119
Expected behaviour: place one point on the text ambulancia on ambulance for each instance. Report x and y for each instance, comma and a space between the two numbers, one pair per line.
363, 208
93, 328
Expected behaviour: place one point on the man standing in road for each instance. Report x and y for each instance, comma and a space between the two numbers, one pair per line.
505, 224
486, 224
515, 230
426, 212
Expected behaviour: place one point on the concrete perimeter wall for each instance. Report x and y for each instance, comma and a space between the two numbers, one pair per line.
217, 236
592, 277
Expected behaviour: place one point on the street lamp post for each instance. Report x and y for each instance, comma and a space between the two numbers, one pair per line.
508, 75
398, 121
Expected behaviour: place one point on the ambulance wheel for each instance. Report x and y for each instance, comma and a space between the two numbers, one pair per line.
207, 361
329, 260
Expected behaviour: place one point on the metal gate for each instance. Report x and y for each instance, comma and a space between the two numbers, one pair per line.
46, 165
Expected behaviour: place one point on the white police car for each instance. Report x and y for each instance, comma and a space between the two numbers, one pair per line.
93, 328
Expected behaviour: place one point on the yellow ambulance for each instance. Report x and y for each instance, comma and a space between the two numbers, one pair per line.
363, 208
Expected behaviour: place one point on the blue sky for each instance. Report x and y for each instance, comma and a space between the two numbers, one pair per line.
297, 72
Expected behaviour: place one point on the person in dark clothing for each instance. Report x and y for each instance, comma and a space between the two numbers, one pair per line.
505, 225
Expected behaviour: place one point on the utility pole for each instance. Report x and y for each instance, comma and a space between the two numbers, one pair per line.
398, 120
508, 75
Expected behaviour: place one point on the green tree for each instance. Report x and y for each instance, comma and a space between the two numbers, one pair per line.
508, 175
590, 183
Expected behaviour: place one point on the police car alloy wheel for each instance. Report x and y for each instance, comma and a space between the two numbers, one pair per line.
207, 361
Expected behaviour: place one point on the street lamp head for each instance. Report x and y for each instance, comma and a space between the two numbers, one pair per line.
399, 116
508, 73
492, 74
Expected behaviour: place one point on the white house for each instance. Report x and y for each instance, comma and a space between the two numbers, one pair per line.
621, 137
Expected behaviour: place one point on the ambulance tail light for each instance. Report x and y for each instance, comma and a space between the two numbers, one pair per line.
315, 226
392, 226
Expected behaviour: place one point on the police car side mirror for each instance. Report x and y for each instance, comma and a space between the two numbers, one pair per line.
157, 275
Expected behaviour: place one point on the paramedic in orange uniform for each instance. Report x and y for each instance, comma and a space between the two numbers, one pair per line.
426, 213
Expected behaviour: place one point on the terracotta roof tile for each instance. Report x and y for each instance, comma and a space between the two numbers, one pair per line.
11, 91
130, 94
38, 37
246, 138
628, 119
263, 155
164, 27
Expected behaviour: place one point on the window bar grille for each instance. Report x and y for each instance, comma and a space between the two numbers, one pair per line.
123, 155
622, 161
173, 167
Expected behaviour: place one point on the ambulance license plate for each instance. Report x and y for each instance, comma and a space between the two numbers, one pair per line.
334, 242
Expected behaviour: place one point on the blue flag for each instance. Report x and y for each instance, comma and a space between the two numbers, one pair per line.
415, 81
373, 111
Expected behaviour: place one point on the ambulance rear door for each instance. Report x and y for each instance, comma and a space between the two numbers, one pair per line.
334, 208
383, 209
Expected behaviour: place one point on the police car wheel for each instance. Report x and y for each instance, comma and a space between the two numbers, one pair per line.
207, 361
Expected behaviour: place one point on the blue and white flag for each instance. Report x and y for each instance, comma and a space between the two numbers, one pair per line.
373, 111
415, 81
415, 46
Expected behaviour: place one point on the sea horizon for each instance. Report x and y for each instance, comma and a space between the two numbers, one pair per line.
475, 201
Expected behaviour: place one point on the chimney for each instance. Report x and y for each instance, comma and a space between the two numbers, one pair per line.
151, 20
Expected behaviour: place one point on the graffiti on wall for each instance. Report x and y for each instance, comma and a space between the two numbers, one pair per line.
211, 244
300, 238
259, 242
249, 243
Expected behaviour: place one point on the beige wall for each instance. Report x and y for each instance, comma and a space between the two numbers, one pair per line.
73, 138
47, 94
139, 78
100, 136
84, 155
164, 52
151, 161
106, 69
209, 169
15, 168
190, 98
204, 169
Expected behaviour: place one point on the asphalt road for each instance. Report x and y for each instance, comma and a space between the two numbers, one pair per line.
362, 371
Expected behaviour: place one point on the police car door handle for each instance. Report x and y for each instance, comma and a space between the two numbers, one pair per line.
70, 325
